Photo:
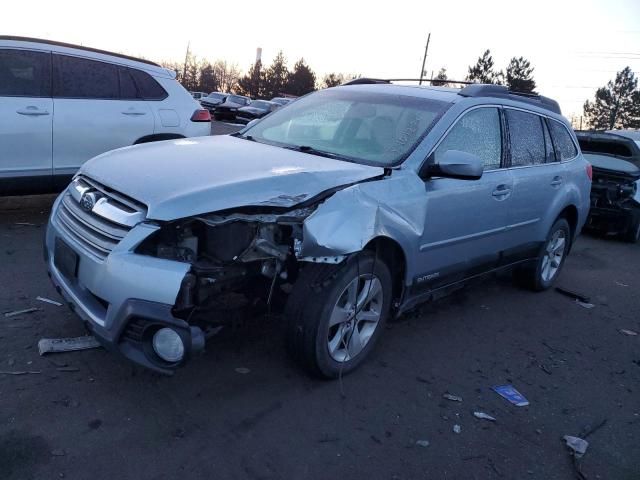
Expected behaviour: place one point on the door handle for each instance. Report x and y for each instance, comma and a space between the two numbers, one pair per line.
32, 111
556, 182
133, 112
501, 191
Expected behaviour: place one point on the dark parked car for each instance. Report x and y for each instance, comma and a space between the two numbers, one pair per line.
615, 192
212, 100
228, 108
257, 109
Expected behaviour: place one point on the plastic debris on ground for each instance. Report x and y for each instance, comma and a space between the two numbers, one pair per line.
457, 429
453, 398
585, 304
21, 372
510, 393
56, 345
20, 312
423, 443
577, 445
624, 331
48, 300
484, 416
571, 294
243, 370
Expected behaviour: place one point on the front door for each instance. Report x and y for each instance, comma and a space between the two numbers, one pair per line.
26, 115
466, 219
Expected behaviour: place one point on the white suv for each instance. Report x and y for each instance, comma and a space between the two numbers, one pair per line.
62, 104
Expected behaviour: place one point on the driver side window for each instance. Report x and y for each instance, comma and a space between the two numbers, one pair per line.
478, 132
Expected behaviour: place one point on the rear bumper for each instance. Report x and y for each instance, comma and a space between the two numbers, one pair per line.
124, 298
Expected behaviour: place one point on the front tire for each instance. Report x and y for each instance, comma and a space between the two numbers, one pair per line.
633, 233
541, 273
335, 314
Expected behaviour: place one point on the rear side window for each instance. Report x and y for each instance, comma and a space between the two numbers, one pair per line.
82, 78
526, 138
148, 88
25, 73
478, 132
565, 148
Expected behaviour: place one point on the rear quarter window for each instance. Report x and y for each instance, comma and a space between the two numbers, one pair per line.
562, 141
148, 87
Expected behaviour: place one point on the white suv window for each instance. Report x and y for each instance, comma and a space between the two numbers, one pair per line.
478, 132
24, 73
82, 78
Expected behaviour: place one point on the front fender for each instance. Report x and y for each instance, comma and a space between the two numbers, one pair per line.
393, 207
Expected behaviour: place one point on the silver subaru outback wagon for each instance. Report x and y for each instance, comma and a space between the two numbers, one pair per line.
344, 208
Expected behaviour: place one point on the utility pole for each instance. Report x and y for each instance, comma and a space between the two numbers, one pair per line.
424, 60
186, 57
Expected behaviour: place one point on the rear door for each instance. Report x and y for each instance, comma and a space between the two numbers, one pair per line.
467, 219
97, 110
26, 115
538, 179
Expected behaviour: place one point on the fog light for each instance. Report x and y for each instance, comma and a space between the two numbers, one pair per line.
168, 345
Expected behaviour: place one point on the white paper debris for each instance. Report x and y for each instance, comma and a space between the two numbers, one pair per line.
55, 345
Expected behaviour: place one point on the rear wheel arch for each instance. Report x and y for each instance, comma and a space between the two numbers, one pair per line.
570, 213
158, 137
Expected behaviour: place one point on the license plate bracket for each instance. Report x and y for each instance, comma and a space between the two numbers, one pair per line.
65, 259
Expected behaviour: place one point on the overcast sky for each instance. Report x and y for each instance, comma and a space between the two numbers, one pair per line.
575, 46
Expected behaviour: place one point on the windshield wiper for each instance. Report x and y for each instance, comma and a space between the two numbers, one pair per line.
315, 151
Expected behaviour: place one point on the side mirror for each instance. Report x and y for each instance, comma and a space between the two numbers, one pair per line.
454, 164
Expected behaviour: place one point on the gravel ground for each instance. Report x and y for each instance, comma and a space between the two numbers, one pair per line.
91, 414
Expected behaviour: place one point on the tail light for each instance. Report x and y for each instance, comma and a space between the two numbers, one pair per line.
589, 171
201, 115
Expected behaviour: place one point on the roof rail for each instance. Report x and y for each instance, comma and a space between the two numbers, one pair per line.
79, 47
365, 81
501, 91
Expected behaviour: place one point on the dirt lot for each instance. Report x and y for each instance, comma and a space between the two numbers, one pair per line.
91, 414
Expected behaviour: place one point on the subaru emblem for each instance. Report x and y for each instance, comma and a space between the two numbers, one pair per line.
88, 201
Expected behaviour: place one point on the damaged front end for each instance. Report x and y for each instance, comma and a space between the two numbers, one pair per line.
615, 202
239, 260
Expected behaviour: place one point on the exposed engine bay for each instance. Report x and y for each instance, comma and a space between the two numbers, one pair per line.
252, 253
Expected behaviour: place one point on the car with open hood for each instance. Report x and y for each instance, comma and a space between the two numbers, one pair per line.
348, 207
615, 194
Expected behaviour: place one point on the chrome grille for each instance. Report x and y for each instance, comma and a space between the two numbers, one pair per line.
101, 227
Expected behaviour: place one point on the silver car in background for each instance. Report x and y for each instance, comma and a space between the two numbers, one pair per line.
350, 206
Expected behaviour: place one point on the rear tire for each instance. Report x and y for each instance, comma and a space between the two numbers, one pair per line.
322, 333
541, 273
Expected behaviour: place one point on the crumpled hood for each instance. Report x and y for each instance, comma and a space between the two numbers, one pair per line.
186, 177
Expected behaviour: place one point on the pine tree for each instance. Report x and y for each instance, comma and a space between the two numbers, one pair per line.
440, 78
520, 76
616, 105
483, 72
332, 80
301, 80
208, 81
275, 80
252, 83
